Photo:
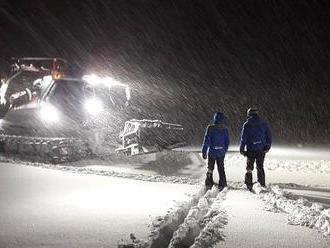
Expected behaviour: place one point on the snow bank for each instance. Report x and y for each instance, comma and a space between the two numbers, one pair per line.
300, 212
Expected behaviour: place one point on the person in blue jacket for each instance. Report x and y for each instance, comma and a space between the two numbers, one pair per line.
215, 146
256, 141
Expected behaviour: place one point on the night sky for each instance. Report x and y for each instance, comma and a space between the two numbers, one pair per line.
188, 59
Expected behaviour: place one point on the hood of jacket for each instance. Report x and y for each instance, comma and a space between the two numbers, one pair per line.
218, 118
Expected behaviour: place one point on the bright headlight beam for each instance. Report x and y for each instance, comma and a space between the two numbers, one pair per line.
93, 106
49, 113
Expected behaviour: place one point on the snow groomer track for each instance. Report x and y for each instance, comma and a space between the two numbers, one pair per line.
52, 150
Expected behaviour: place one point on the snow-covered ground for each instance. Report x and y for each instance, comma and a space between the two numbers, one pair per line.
249, 225
96, 203
307, 172
51, 208
303, 166
300, 212
238, 218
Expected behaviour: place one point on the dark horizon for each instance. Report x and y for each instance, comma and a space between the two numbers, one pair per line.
189, 60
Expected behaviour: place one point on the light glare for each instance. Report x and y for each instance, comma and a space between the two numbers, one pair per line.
92, 79
93, 106
49, 113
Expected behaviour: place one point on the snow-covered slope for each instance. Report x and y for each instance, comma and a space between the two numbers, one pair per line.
199, 220
51, 208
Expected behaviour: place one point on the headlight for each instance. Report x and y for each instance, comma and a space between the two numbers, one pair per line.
49, 113
93, 106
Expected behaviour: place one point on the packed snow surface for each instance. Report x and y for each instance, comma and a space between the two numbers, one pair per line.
235, 217
249, 225
51, 208
95, 203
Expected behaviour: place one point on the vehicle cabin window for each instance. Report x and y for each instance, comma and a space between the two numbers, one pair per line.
118, 96
73, 94
66, 94
111, 97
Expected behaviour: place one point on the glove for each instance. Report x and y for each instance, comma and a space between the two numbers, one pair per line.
243, 152
204, 156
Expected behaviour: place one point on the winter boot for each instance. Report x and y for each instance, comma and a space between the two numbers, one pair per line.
222, 185
209, 180
248, 180
220, 188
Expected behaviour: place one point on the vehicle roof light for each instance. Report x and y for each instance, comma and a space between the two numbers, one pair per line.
106, 81
92, 79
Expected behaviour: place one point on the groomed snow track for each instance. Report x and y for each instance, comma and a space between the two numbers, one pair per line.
197, 223
41, 149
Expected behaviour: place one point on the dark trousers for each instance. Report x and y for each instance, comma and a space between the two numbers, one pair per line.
221, 169
258, 157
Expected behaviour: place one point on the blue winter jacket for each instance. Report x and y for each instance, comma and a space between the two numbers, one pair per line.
216, 140
255, 135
